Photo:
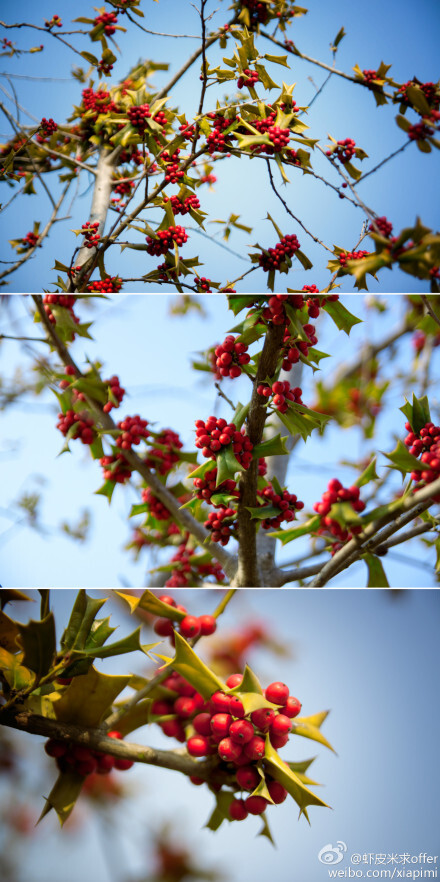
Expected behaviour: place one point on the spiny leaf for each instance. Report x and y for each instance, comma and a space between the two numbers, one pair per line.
376, 573
187, 663
342, 318
63, 795
309, 727
284, 774
87, 699
39, 644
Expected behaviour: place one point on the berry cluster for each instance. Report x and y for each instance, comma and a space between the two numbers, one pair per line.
108, 19
110, 285
288, 504
65, 300
115, 392
116, 468
90, 233
98, 102
206, 486
383, 226
220, 727
180, 206
132, 430
55, 21
30, 240
419, 132
351, 255
48, 126
280, 140
216, 140
138, 116
282, 394
248, 78
222, 524
156, 507
215, 433
369, 75
259, 12
163, 456
165, 239
231, 355
75, 757
203, 284
293, 348
275, 258
337, 493
430, 91
190, 626
426, 444
343, 151
123, 187
188, 571
84, 425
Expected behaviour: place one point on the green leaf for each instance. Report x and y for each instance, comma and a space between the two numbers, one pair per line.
237, 302
131, 643
417, 414
63, 795
81, 620
342, 318
261, 512
201, 470
221, 811
273, 447
39, 644
369, 474
87, 700
376, 572
309, 727
17, 676
106, 490
277, 59
227, 464
8, 633
150, 603
295, 532
240, 414
187, 663
404, 461
284, 774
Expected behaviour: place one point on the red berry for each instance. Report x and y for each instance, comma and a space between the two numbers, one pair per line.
277, 791
241, 731
202, 724
256, 805
185, 707
198, 745
247, 777
255, 748
291, 708
281, 725
236, 707
234, 680
277, 693
123, 764
262, 718
220, 702
190, 627
208, 624
220, 724
228, 750
278, 741
55, 748
238, 810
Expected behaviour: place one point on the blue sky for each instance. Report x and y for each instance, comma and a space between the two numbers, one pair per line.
402, 189
136, 338
370, 658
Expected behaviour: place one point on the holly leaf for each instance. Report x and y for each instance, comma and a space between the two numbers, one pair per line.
273, 447
404, 461
227, 465
16, 675
81, 620
295, 532
309, 727
38, 642
88, 698
221, 811
343, 319
376, 573
8, 633
190, 666
151, 604
287, 777
63, 795
417, 413
369, 474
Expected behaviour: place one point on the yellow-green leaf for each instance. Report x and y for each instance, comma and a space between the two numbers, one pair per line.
309, 727
284, 774
63, 795
88, 698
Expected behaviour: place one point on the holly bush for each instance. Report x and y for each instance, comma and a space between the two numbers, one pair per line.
143, 149
224, 510
232, 728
